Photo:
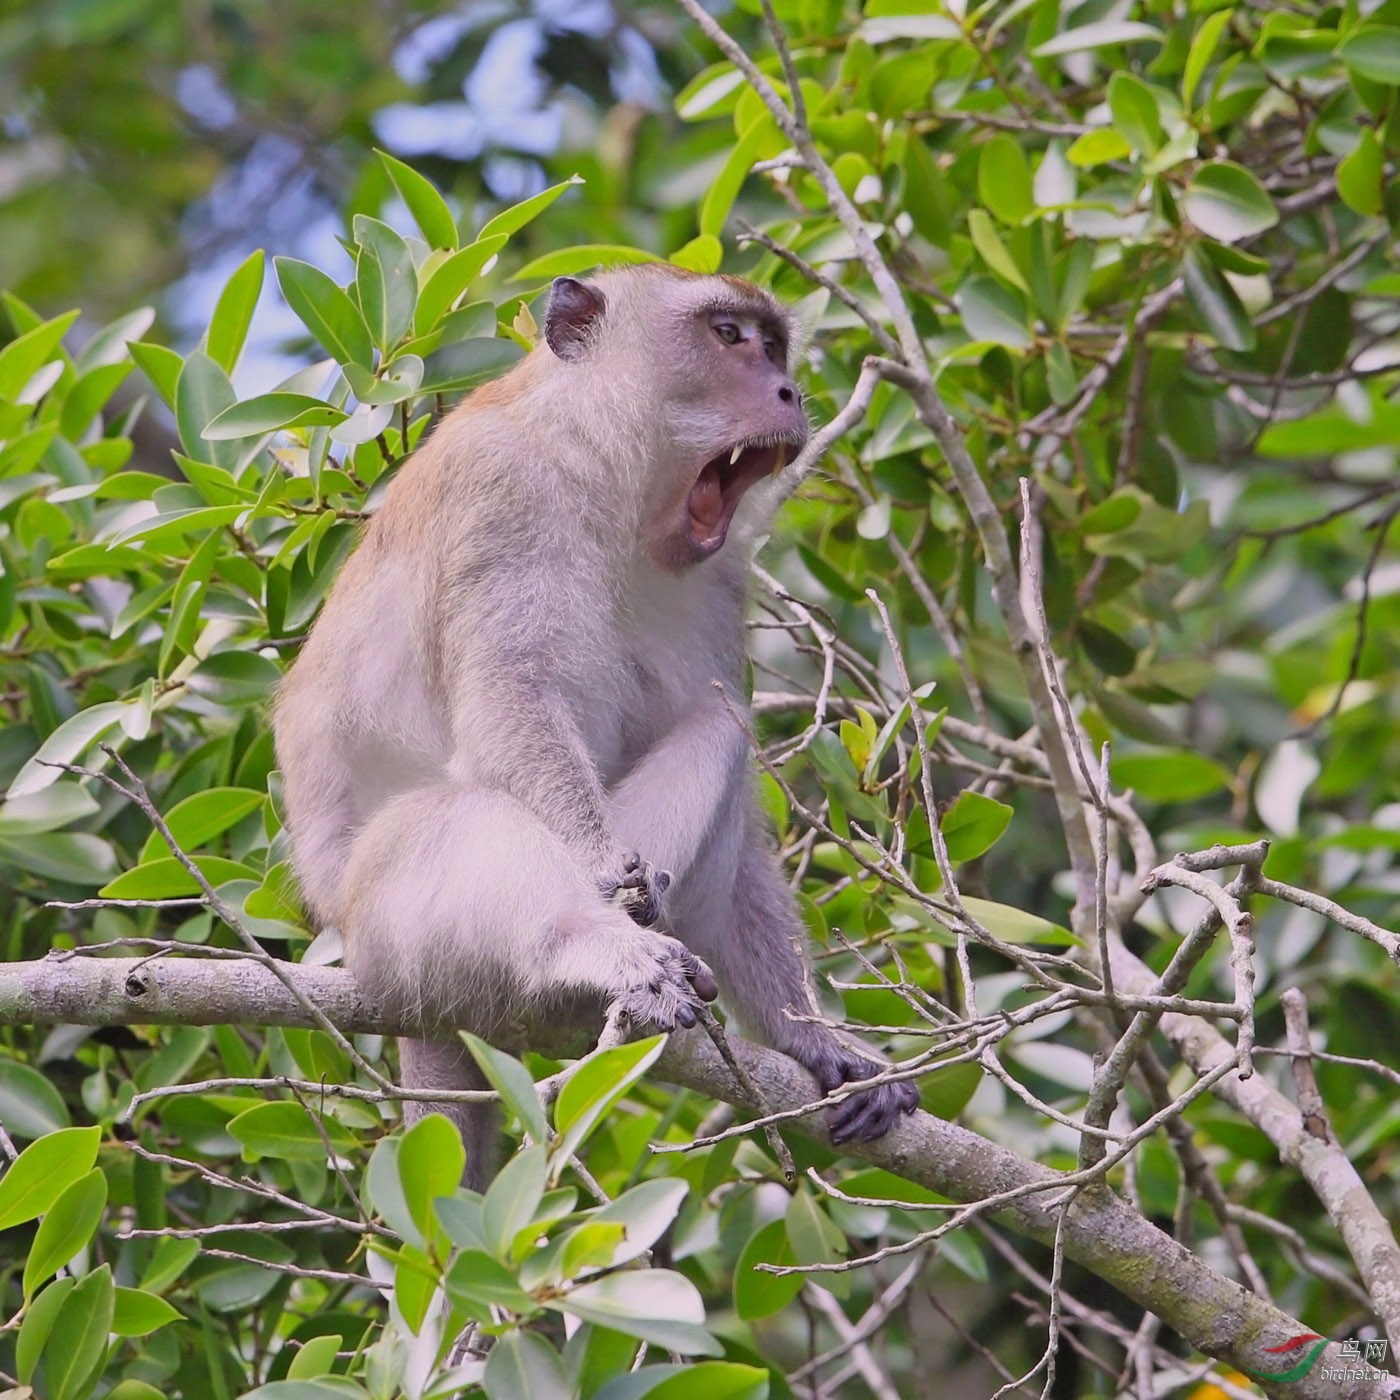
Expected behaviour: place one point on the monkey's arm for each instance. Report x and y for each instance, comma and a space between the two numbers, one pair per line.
687, 785
526, 744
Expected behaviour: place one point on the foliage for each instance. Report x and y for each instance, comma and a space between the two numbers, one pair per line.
1149, 255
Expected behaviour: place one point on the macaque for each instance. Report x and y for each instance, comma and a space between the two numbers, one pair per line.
504, 751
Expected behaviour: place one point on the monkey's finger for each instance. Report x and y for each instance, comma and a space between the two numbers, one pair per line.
685, 1017
865, 1117
700, 977
630, 861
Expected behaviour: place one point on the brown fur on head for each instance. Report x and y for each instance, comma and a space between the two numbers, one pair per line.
712, 352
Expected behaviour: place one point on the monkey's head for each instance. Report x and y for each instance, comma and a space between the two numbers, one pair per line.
721, 412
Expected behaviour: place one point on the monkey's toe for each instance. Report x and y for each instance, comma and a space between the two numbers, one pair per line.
872, 1114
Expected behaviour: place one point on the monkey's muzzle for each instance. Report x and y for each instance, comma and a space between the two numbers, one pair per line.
721, 485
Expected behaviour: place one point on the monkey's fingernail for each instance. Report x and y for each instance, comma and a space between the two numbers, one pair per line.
705, 987
736, 454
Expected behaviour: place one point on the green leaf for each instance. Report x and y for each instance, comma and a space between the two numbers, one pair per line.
78, 1341
724, 190
160, 365
993, 251
511, 1200
478, 1282
74, 857
467, 364
1004, 179
523, 1366
994, 313
138, 1313
270, 413
1169, 775
973, 825
30, 1108
512, 1081
198, 819
54, 807
316, 1357
1227, 202
707, 90
704, 1380
1203, 46
45, 1170
429, 209
228, 328
326, 311
518, 215
646, 1211
1111, 653
202, 393
431, 1161
1135, 112
67, 744
1014, 925
759, 1294
385, 281
167, 878
598, 1081
656, 1305
109, 345
235, 678
27, 353
583, 257
67, 1226
703, 254
881, 29
1097, 148
37, 1326
1097, 36
316, 1388
1214, 300
451, 278
1361, 174
1373, 51
287, 1131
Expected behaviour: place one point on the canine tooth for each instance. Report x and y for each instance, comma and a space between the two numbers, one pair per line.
736, 454
781, 461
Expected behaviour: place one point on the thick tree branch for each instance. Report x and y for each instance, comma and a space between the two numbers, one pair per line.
1100, 1231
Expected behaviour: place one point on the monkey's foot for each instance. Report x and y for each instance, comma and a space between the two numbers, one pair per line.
637, 889
671, 988
868, 1115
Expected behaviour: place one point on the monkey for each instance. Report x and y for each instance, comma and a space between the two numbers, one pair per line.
514, 768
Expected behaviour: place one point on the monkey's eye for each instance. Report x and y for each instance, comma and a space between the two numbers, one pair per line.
774, 350
728, 332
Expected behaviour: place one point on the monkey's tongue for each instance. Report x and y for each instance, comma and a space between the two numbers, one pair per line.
707, 504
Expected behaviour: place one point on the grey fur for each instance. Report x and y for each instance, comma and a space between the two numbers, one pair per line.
512, 685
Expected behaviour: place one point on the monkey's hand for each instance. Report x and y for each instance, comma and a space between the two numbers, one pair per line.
671, 983
868, 1115
637, 889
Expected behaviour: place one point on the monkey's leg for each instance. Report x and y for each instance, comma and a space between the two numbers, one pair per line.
753, 936
464, 909
442, 1064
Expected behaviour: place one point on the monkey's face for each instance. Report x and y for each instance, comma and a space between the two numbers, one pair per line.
710, 354
736, 418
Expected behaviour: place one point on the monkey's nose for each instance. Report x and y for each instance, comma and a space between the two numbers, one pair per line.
788, 393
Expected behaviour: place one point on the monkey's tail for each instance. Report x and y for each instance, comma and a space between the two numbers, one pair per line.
442, 1064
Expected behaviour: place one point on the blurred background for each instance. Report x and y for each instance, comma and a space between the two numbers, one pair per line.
146, 147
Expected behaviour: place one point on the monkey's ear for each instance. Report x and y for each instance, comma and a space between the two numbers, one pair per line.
575, 308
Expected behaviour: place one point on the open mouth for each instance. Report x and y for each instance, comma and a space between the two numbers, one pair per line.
721, 485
